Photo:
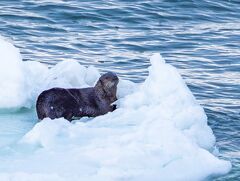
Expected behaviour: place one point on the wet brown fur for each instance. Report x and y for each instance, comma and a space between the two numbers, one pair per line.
70, 103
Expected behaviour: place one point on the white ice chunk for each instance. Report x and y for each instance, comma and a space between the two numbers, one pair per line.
12, 81
158, 132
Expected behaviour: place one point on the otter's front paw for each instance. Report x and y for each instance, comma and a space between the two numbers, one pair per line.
113, 107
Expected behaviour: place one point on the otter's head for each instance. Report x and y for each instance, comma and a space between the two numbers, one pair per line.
107, 86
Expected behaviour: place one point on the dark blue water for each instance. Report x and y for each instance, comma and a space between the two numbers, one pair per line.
200, 38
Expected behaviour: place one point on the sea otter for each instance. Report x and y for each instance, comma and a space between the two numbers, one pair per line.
70, 103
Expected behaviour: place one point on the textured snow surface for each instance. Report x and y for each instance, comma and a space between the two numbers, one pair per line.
158, 132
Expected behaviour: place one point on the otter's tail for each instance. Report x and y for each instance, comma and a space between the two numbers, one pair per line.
40, 107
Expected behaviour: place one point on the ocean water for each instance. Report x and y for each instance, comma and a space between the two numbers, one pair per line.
200, 38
